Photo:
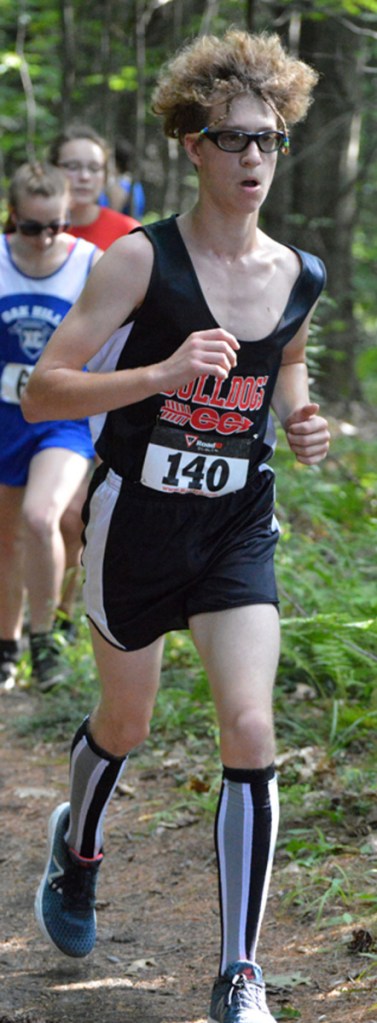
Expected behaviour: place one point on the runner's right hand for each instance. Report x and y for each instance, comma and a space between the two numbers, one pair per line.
203, 353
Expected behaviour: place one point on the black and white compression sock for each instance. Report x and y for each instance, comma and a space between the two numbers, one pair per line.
245, 836
93, 776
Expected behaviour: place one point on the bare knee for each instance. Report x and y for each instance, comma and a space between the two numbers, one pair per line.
116, 733
39, 523
130, 681
247, 740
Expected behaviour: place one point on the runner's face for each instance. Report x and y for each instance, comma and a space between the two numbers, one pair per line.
237, 182
40, 209
84, 163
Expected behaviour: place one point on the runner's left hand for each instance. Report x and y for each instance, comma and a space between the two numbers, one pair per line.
308, 434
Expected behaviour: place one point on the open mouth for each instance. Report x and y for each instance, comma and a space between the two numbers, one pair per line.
250, 183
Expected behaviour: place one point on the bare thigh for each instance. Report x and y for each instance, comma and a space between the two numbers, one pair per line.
239, 648
54, 476
129, 685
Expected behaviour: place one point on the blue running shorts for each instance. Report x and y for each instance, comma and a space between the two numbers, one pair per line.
21, 441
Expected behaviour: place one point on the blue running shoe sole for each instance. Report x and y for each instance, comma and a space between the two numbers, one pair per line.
69, 929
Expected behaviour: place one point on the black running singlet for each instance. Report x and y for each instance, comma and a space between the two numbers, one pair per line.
209, 436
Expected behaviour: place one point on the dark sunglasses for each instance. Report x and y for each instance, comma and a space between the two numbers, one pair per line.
32, 228
236, 141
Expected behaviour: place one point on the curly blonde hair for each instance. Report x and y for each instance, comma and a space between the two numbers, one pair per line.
211, 69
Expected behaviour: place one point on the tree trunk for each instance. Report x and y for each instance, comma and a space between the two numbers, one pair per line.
106, 101
210, 12
313, 201
141, 22
68, 58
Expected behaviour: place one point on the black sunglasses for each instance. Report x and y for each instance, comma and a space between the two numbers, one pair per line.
231, 141
32, 228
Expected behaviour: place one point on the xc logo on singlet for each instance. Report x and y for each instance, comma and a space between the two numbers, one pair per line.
180, 414
32, 336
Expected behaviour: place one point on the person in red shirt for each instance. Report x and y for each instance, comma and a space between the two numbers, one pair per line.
84, 155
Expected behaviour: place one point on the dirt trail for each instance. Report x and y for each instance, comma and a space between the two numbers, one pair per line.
157, 912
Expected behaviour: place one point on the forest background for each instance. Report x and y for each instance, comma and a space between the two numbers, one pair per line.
97, 60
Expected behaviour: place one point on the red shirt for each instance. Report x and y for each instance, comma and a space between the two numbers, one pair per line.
109, 226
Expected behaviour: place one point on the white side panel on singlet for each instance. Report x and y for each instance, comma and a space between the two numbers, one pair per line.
105, 361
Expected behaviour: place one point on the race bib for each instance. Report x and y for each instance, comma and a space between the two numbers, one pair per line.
177, 462
14, 378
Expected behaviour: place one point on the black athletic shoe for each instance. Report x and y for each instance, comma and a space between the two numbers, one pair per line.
9, 657
66, 627
46, 659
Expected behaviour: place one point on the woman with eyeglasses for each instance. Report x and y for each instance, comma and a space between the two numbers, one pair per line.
192, 328
42, 271
83, 155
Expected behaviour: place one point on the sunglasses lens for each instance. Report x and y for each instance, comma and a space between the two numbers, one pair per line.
32, 228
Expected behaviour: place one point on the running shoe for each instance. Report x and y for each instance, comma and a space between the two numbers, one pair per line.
8, 672
65, 900
9, 657
46, 659
239, 996
65, 626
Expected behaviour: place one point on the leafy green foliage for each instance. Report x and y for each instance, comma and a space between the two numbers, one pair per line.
327, 581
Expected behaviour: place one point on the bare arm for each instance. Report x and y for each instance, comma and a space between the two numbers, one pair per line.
57, 389
307, 432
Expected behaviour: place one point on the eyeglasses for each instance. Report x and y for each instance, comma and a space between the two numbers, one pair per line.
76, 167
237, 141
32, 228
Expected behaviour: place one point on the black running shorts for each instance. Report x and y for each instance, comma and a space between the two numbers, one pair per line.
153, 560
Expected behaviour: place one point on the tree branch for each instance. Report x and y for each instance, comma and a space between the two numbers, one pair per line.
27, 85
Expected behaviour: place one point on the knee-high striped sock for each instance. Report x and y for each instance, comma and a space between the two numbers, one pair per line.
245, 837
93, 776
